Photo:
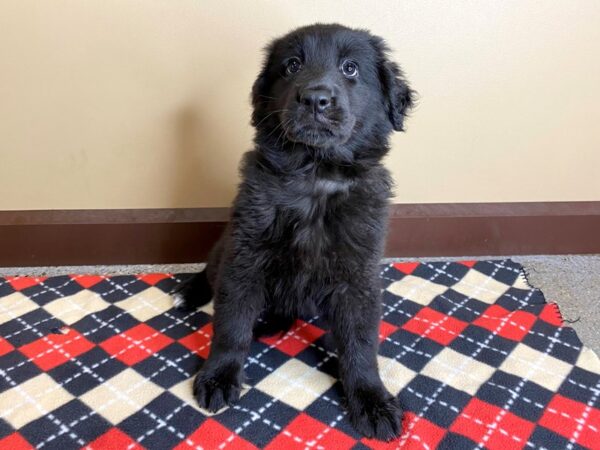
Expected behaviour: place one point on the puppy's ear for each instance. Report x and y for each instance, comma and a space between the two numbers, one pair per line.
397, 94
257, 94
260, 88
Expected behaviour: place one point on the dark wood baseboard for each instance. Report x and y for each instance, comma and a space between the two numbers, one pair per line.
139, 236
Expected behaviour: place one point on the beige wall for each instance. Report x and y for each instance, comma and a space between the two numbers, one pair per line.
122, 104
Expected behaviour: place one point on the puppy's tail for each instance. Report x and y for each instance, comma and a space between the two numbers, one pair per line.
193, 293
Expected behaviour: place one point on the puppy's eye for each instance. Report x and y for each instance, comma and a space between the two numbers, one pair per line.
293, 65
350, 68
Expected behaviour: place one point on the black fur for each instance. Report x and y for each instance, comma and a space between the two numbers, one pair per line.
309, 221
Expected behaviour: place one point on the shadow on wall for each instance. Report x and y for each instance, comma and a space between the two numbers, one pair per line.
198, 173
197, 164
212, 125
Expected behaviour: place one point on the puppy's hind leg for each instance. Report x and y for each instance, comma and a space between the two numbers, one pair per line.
193, 293
198, 290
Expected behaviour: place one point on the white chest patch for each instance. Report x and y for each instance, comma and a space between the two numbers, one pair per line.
329, 186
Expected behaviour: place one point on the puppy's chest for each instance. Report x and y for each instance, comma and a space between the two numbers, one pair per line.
313, 214
328, 188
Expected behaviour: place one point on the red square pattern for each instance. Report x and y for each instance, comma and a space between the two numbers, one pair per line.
153, 278
306, 432
406, 267
15, 442
422, 435
515, 325
469, 263
476, 420
385, 329
199, 341
113, 439
136, 344
300, 336
442, 328
20, 283
54, 349
5, 347
563, 415
211, 434
87, 281
551, 313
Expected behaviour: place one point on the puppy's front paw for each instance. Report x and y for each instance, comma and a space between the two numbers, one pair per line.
215, 390
375, 414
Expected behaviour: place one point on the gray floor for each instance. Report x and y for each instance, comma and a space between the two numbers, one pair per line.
572, 281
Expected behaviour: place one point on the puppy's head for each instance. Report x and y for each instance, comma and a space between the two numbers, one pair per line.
327, 85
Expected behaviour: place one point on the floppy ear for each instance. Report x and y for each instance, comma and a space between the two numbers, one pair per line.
397, 94
260, 88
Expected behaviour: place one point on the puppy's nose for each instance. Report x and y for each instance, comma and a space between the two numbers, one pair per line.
318, 99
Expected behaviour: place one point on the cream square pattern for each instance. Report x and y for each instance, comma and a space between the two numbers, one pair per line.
459, 371
588, 360
31, 400
147, 304
122, 395
75, 307
481, 287
533, 365
15, 305
395, 376
416, 289
296, 384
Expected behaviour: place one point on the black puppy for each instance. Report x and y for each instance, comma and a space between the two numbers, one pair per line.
308, 224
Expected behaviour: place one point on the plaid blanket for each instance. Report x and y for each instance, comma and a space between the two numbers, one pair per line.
476, 355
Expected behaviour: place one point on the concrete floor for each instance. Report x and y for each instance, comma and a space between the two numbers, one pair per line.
572, 281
